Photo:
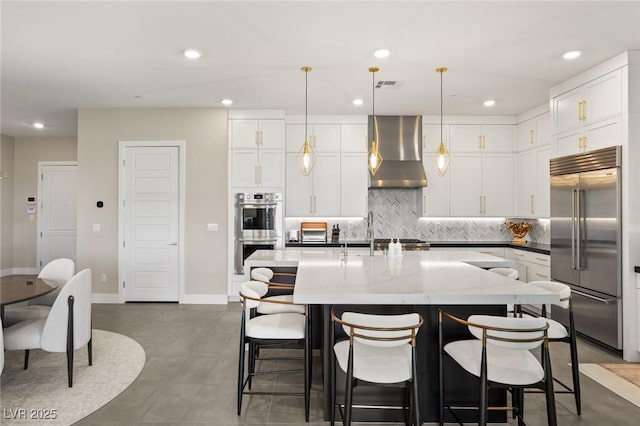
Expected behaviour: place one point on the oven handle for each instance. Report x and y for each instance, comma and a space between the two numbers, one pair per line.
257, 203
270, 240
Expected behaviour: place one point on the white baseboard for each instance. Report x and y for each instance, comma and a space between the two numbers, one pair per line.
205, 299
18, 271
104, 298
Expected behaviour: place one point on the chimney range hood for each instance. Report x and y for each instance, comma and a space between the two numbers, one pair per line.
400, 144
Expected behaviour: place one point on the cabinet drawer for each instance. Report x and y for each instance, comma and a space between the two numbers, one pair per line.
529, 256
538, 273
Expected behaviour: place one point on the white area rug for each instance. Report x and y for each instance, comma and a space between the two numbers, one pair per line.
41, 393
611, 381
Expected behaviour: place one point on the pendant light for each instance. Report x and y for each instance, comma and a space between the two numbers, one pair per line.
375, 158
306, 157
442, 158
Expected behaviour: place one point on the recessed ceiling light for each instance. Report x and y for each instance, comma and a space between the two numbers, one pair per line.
227, 102
489, 102
357, 102
38, 125
382, 53
192, 54
572, 54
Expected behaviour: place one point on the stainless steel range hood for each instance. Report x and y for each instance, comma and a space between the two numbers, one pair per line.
400, 144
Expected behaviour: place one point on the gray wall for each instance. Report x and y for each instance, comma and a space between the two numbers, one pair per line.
205, 133
7, 145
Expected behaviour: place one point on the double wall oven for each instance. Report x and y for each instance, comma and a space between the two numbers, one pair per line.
258, 224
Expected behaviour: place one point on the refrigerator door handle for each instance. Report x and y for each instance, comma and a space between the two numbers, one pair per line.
579, 231
573, 228
599, 299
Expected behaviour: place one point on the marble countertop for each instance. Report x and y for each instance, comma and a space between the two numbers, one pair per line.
529, 246
429, 277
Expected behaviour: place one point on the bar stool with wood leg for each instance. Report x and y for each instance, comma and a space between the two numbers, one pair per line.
499, 355
288, 327
559, 333
381, 349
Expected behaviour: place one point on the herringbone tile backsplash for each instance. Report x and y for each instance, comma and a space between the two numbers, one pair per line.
396, 214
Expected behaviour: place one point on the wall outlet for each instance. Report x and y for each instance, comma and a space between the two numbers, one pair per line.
212, 227
103, 278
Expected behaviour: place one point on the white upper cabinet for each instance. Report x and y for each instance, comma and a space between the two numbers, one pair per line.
481, 185
253, 168
257, 154
354, 182
353, 138
595, 100
533, 133
264, 134
532, 183
435, 196
598, 135
317, 194
431, 137
322, 137
481, 138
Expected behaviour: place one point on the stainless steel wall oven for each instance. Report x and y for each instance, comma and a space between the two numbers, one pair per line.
258, 224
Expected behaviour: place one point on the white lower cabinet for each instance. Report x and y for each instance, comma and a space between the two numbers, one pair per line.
481, 185
531, 266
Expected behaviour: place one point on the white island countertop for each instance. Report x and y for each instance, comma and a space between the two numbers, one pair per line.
415, 278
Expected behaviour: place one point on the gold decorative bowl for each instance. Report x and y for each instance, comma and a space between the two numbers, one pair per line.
519, 231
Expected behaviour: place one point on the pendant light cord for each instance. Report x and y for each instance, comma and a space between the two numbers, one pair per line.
441, 106
306, 75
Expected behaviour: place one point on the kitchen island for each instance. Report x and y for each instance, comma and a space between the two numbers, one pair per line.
423, 282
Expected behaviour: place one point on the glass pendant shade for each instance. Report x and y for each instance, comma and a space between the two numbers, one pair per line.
374, 159
441, 160
306, 158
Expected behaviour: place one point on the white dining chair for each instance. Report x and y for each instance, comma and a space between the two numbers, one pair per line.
499, 355
509, 273
58, 270
65, 329
266, 275
380, 350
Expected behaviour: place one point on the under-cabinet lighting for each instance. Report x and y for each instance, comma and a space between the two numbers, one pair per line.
462, 219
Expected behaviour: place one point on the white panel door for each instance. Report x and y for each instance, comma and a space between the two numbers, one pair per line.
58, 213
244, 168
431, 137
497, 138
526, 183
245, 134
465, 137
299, 190
151, 232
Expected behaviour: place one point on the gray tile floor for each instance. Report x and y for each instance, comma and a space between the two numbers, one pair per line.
190, 375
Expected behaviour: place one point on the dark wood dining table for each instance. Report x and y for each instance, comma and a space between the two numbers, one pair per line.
19, 288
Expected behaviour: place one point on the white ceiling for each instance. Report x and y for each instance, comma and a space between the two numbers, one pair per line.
61, 56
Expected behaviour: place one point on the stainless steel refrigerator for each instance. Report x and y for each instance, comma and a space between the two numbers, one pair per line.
586, 240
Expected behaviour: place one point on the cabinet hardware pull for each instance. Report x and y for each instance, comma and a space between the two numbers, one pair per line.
584, 142
542, 275
531, 136
424, 203
518, 254
480, 142
542, 259
481, 204
584, 110
484, 141
580, 111
257, 137
531, 203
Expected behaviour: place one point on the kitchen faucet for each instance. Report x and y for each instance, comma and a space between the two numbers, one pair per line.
370, 231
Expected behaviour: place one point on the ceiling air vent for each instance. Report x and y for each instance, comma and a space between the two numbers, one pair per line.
388, 84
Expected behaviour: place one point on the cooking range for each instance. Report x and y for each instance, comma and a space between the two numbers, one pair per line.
408, 244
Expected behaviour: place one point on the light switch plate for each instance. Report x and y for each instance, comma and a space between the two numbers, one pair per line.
211, 227
96, 227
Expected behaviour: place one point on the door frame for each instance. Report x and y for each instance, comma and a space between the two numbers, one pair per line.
122, 145
40, 218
